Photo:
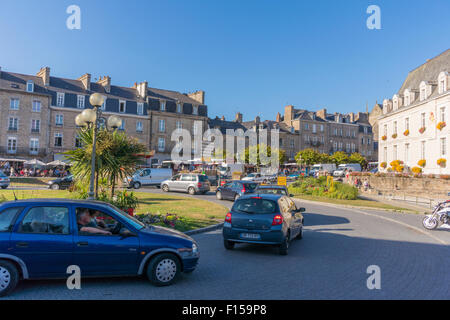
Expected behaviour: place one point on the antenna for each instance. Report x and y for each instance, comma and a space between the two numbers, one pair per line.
15, 198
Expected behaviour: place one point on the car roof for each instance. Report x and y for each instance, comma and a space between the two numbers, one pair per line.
273, 197
56, 201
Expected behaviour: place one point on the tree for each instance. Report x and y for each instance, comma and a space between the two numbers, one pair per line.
339, 157
324, 158
307, 157
117, 157
358, 158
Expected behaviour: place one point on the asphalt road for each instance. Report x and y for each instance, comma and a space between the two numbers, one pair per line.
330, 262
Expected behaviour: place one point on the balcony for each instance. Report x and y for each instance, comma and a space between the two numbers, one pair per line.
23, 152
35, 130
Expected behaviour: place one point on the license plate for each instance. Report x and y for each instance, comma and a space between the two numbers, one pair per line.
252, 236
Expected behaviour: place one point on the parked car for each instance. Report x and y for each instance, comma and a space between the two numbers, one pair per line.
148, 177
272, 189
61, 183
293, 176
41, 238
232, 190
329, 167
187, 182
342, 169
263, 219
4, 180
260, 178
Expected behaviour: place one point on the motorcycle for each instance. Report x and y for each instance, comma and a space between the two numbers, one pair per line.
441, 214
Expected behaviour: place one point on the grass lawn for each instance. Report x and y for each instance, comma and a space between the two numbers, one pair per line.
192, 213
357, 203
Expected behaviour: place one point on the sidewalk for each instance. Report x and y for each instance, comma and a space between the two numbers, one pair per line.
420, 207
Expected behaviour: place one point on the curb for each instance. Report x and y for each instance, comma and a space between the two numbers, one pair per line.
205, 229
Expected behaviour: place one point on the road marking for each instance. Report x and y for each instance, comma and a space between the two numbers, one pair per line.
378, 216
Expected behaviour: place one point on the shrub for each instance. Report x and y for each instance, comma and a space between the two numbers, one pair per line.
318, 187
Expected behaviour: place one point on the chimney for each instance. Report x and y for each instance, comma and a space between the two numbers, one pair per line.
288, 114
142, 89
278, 117
44, 74
198, 96
238, 117
351, 117
257, 120
86, 80
322, 113
105, 82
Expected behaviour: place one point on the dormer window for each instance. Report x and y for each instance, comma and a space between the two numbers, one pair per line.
162, 105
396, 102
443, 82
30, 86
80, 102
194, 109
140, 108
179, 110
60, 99
122, 106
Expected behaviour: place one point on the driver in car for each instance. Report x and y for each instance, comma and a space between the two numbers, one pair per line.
85, 224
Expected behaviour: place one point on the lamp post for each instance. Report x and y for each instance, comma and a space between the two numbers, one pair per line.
89, 118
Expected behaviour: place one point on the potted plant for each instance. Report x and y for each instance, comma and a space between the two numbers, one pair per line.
422, 163
383, 138
406, 132
441, 125
126, 201
422, 130
394, 135
441, 162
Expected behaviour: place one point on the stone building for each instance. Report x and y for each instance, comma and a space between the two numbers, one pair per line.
39, 113
413, 125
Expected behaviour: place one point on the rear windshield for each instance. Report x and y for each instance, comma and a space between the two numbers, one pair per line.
250, 186
202, 178
271, 191
255, 205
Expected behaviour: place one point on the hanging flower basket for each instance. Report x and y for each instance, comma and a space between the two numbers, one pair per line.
441, 125
383, 138
422, 130
394, 135
442, 162
406, 133
422, 163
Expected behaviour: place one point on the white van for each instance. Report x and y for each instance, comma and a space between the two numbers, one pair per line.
329, 167
148, 177
343, 168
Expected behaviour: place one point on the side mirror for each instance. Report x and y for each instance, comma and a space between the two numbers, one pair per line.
291, 195
301, 209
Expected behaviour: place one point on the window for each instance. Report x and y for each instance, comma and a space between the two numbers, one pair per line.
103, 106
292, 143
306, 126
122, 106
161, 144
30, 86
353, 147
162, 125
423, 94
314, 128
13, 124
7, 217
139, 126
78, 142
97, 223
58, 139
407, 124
35, 125
59, 119
321, 128
80, 102
442, 114
194, 109
441, 86
34, 146
422, 150
385, 154
51, 220
394, 154
366, 129
140, 108
443, 146
36, 106
406, 152
60, 99
179, 110
385, 130
162, 105
14, 104
12, 145
422, 120
395, 127
179, 125
122, 125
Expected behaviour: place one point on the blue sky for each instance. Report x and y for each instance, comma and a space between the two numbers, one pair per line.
249, 56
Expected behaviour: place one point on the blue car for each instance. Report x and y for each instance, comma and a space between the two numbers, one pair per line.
263, 219
41, 238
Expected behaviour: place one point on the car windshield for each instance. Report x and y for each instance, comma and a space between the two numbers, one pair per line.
255, 205
131, 220
271, 191
250, 186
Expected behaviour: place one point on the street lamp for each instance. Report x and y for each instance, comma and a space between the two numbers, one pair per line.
89, 118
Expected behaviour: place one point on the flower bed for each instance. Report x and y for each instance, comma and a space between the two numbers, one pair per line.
319, 187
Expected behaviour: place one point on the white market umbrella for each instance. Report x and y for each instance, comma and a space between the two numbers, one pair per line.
34, 162
57, 163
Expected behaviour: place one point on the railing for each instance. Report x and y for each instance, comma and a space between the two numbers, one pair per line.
23, 152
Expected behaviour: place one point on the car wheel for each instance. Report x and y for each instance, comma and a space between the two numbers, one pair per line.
284, 246
163, 269
55, 186
4, 187
136, 185
165, 188
229, 245
300, 235
219, 195
9, 277
191, 191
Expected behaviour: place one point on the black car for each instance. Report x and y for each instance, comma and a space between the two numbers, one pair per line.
60, 183
272, 189
232, 190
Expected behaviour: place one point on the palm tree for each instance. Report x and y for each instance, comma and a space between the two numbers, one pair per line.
117, 156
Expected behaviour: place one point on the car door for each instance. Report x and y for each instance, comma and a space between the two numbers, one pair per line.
173, 182
186, 181
145, 177
43, 239
296, 221
98, 254
226, 190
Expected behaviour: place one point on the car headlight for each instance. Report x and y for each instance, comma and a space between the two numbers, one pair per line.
194, 248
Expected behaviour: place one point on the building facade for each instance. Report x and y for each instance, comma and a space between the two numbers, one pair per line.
39, 113
414, 125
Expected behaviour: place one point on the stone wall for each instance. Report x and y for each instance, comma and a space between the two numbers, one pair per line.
417, 187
